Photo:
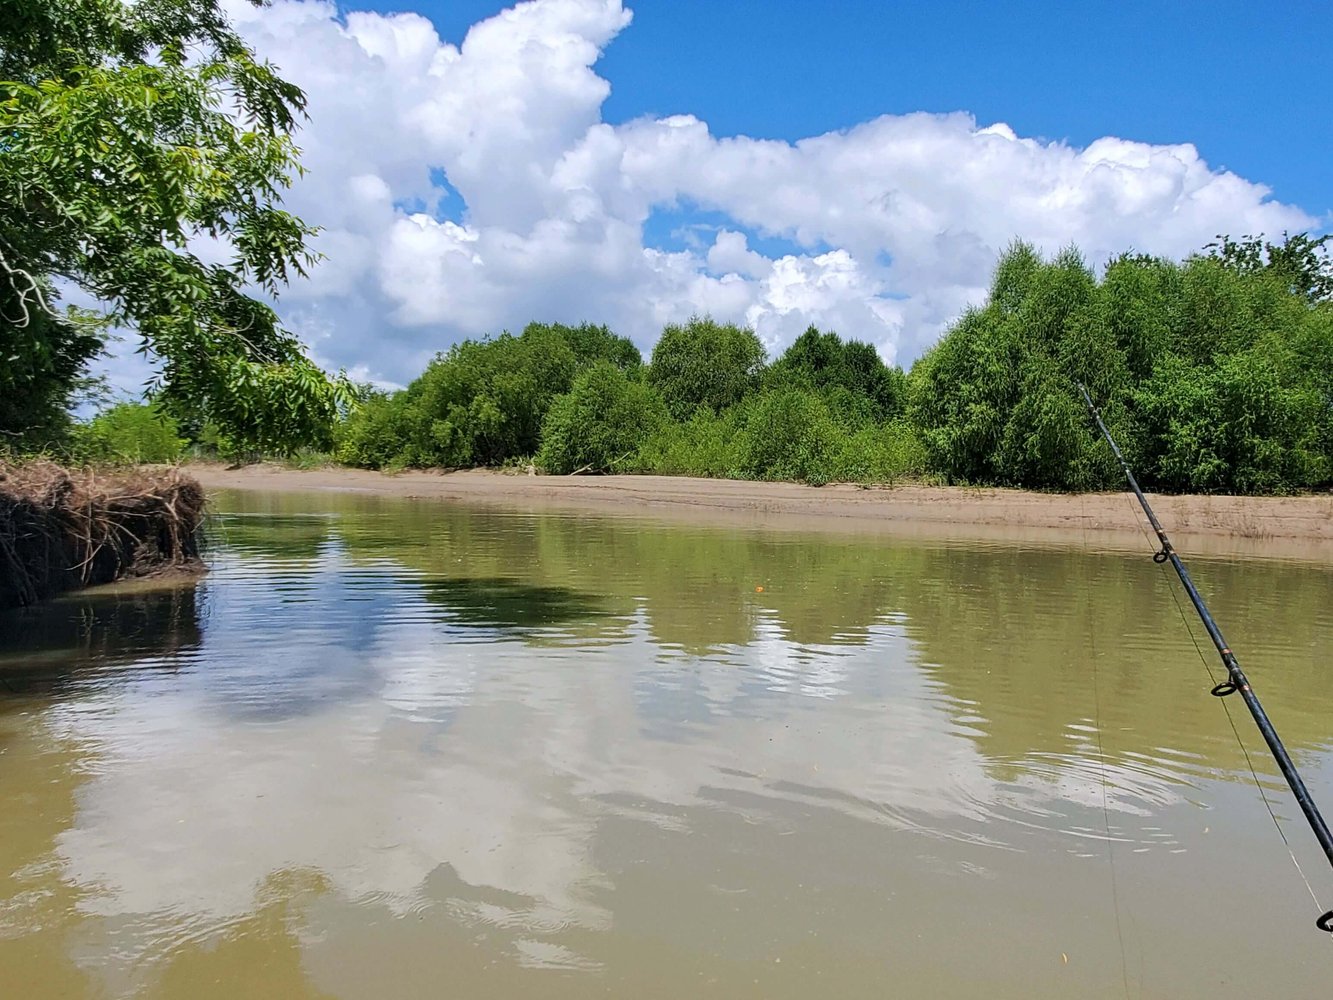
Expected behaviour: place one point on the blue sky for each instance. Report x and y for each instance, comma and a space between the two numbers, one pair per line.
1245, 82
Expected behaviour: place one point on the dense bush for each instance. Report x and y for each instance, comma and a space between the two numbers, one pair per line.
600, 423
1310, 353
806, 443
482, 402
375, 434
705, 364
133, 433
1213, 375
788, 434
704, 445
852, 377
885, 454
1233, 427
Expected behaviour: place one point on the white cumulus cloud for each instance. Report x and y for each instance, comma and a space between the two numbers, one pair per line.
467, 189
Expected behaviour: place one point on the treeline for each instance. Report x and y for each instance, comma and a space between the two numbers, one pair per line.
1215, 374
581, 399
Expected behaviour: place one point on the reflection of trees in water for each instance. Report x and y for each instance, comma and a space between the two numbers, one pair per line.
1012, 634
1019, 633
1009, 632
50, 644
509, 605
699, 589
274, 535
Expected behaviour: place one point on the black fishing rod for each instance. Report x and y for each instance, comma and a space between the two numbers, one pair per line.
1236, 680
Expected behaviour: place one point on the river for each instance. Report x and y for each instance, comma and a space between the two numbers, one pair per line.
389, 748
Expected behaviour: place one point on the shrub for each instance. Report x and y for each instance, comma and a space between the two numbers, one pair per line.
886, 454
705, 364
788, 434
375, 433
600, 423
135, 433
704, 445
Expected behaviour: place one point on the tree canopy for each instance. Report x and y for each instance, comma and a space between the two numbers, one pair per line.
1301, 262
1213, 373
844, 372
145, 154
704, 363
481, 402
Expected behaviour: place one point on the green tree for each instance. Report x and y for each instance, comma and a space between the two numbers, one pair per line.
594, 343
41, 358
484, 402
1136, 296
1301, 264
600, 423
851, 375
481, 402
704, 363
1237, 426
996, 399
1310, 357
135, 132
962, 391
1213, 374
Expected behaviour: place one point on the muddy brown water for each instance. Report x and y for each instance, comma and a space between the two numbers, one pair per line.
407, 749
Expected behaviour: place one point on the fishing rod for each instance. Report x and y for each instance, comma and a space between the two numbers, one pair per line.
1236, 679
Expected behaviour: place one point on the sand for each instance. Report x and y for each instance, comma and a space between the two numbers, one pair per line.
1285, 527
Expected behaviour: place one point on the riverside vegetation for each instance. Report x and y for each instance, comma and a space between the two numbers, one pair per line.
1215, 374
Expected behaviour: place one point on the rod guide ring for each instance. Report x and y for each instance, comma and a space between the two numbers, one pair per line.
1325, 923
1224, 689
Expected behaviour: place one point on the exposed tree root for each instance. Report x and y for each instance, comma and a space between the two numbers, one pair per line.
62, 528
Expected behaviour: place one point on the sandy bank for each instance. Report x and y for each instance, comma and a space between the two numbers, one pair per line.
1298, 527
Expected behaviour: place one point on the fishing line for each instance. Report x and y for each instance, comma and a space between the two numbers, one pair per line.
1171, 585
1236, 681
1240, 742
1101, 765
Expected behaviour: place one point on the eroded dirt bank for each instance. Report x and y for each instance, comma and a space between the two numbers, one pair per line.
61, 529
